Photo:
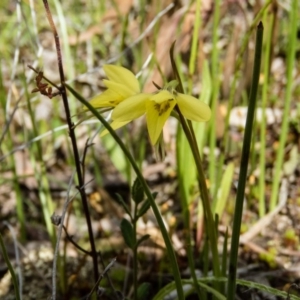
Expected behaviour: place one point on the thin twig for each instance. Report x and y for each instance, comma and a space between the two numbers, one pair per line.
108, 267
59, 234
74, 243
73, 141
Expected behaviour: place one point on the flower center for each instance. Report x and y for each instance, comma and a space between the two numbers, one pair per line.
163, 107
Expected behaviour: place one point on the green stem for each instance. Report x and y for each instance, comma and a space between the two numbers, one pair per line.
244, 166
164, 232
263, 131
135, 262
214, 100
288, 98
209, 220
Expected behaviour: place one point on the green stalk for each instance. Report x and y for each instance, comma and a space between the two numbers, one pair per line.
190, 135
214, 99
291, 55
185, 182
209, 220
135, 253
244, 166
194, 48
263, 131
185, 164
164, 232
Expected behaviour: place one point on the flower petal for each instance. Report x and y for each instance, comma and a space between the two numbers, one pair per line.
162, 96
115, 125
119, 88
131, 108
109, 98
157, 115
192, 108
123, 76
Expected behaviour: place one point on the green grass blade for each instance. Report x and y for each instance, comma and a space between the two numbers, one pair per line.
291, 56
244, 166
263, 131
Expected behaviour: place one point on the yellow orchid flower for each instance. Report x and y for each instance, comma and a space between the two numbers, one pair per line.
121, 85
158, 108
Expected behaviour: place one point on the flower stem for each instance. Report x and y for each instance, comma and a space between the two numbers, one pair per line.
209, 220
164, 232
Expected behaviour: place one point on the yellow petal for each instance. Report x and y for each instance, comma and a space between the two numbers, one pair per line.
119, 88
157, 115
192, 108
115, 125
131, 108
162, 96
109, 98
123, 76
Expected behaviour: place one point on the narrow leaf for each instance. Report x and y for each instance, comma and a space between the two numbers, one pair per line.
122, 202
127, 233
137, 191
144, 208
142, 239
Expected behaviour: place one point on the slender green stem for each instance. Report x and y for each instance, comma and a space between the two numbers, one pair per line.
194, 47
164, 232
209, 220
262, 156
288, 98
214, 100
135, 253
244, 166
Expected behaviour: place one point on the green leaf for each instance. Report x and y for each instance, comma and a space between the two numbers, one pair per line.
145, 206
127, 233
142, 239
125, 206
143, 291
137, 191
223, 192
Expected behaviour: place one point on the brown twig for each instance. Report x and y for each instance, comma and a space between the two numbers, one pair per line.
70, 239
73, 141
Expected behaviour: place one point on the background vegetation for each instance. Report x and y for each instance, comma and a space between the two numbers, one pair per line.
214, 54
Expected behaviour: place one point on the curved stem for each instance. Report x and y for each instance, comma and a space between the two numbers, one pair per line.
164, 232
209, 220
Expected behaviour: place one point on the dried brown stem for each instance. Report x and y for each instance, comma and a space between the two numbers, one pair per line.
73, 142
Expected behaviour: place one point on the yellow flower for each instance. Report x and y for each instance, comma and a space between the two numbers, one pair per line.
158, 108
128, 103
121, 84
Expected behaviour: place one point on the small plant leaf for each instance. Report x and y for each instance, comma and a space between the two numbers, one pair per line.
145, 206
137, 191
124, 205
127, 233
143, 291
142, 239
